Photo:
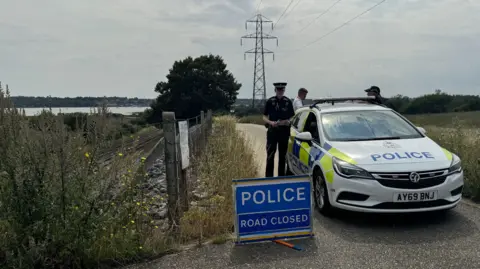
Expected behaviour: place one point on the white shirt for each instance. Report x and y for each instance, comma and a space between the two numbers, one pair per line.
297, 103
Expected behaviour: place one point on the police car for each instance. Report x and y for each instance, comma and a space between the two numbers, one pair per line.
366, 157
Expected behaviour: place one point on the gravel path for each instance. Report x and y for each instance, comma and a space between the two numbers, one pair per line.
350, 240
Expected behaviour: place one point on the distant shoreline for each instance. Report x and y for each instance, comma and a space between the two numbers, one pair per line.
124, 110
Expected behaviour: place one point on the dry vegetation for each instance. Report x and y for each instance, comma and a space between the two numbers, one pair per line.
226, 157
59, 207
457, 132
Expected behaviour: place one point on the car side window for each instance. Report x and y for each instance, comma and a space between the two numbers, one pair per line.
311, 125
300, 120
296, 120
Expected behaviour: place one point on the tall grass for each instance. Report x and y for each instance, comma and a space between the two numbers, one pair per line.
60, 207
464, 142
226, 157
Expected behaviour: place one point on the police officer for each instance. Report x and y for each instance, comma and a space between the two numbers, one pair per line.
276, 115
375, 91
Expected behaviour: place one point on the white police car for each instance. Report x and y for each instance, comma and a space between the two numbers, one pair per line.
368, 158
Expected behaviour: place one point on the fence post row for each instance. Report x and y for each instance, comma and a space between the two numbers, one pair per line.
177, 183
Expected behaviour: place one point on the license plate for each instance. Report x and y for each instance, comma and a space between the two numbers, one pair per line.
415, 196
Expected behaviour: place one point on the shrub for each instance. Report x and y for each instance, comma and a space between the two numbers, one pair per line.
60, 207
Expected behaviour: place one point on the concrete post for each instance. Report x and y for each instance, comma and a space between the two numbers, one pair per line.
209, 121
203, 135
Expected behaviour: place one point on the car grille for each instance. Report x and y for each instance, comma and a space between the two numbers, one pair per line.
402, 180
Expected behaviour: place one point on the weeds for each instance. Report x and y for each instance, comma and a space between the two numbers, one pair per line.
226, 157
59, 208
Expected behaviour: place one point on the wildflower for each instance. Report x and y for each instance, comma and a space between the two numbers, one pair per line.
120, 154
132, 221
138, 203
140, 247
156, 227
124, 227
75, 207
143, 159
113, 203
87, 155
111, 235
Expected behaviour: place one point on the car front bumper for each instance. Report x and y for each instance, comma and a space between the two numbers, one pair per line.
368, 195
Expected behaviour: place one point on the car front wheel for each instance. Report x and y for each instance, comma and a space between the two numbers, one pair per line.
321, 193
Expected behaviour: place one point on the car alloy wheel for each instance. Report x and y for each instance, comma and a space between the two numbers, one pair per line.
321, 194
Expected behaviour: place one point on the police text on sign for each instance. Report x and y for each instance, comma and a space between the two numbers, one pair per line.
272, 208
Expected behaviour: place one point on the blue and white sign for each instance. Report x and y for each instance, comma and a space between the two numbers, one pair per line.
272, 208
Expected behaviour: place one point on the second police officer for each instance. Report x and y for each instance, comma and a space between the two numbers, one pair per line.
277, 114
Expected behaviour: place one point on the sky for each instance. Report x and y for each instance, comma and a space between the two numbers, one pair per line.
124, 47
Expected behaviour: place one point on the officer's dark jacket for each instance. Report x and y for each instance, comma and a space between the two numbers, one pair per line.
385, 102
279, 109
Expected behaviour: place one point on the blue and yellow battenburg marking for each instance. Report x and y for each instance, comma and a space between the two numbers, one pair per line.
307, 156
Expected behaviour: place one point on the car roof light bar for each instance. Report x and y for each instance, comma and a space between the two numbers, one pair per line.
333, 100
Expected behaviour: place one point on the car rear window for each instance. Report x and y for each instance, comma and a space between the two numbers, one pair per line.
366, 125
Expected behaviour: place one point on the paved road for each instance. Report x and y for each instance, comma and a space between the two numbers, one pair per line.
350, 240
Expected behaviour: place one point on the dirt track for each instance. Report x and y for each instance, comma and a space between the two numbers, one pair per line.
256, 138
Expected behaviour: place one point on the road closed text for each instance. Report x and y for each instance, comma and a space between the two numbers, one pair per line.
273, 221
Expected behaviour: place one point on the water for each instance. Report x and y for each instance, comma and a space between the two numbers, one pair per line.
30, 111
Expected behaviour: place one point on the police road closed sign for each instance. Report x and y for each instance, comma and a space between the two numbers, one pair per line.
272, 208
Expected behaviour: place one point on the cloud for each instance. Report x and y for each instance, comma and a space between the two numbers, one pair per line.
71, 48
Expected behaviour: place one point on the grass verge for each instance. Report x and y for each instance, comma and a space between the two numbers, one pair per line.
460, 137
226, 157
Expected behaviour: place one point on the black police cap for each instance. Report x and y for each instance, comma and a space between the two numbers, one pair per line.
280, 85
374, 89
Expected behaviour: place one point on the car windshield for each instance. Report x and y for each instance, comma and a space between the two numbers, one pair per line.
366, 125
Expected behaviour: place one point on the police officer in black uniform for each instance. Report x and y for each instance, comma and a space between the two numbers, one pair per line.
375, 91
277, 114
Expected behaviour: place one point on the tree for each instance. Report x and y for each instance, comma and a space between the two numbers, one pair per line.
194, 85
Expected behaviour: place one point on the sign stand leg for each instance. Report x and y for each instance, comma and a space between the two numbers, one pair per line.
283, 243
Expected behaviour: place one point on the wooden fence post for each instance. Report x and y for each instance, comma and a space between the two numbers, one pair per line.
171, 166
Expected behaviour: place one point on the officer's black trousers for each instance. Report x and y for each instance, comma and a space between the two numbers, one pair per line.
276, 136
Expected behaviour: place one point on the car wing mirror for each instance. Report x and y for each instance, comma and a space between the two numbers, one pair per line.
304, 136
422, 130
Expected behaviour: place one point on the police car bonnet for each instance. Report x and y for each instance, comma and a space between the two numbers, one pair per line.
392, 151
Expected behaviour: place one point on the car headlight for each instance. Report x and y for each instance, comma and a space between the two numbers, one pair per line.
456, 166
347, 170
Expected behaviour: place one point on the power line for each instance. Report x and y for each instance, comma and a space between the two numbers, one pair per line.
321, 14
295, 5
284, 11
343, 25
258, 6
